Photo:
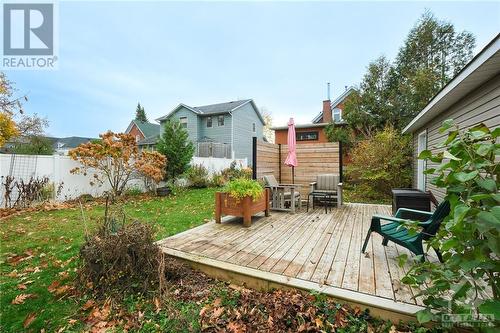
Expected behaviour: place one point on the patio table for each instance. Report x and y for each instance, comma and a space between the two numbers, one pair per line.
327, 198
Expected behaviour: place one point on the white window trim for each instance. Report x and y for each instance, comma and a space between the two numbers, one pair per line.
211, 122
421, 164
223, 121
339, 112
181, 121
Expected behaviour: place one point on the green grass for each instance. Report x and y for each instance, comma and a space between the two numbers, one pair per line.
54, 238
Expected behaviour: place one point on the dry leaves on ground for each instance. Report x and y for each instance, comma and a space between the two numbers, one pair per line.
19, 299
29, 319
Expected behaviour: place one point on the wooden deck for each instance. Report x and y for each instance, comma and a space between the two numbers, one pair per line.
306, 250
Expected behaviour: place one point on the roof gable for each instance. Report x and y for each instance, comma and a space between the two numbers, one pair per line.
334, 103
212, 109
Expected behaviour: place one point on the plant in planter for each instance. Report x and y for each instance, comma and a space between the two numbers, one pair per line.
242, 197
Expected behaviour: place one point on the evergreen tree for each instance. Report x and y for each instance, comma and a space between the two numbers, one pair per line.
140, 114
176, 147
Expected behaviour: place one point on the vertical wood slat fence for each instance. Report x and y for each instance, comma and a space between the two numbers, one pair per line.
313, 159
213, 149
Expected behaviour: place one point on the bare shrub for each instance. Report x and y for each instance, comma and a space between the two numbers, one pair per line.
121, 257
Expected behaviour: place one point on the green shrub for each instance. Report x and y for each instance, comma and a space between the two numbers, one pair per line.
339, 133
133, 191
235, 172
197, 176
382, 162
242, 187
467, 282
217, 180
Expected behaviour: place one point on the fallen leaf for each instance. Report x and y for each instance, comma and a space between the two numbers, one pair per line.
217, 312
90, 303
21, 298
13, 274
62, 290
21, 286
217, 302
29, 319
157, 303
53, 286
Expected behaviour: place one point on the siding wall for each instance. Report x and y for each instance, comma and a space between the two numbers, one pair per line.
218, 133
281, 136
480, 106
244, 117
192, 126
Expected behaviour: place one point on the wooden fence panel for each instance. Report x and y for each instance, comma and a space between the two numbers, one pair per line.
313, 159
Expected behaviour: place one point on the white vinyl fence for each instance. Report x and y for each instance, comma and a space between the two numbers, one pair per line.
57, 169
214, 164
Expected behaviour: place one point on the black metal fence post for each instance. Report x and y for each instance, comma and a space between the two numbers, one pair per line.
254, 157
340, 162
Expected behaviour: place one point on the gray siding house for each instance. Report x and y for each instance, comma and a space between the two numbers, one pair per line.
223, 129
472, 97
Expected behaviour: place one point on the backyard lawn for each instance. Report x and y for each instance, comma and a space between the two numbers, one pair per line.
39, 250
39, 257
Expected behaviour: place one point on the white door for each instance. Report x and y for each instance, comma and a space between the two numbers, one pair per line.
421, 146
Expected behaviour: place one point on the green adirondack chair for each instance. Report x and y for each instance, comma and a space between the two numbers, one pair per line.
397, 233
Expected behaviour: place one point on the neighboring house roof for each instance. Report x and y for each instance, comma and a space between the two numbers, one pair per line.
147, 129
335, 102
151, 140
484, 66
69, 142
212, 109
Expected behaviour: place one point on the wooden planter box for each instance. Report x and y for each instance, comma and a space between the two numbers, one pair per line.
226, 205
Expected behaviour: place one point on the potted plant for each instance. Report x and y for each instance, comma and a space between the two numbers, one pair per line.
241, 197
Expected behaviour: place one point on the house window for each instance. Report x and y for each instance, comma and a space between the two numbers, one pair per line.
209, 121
253, 127
184, 121
337, 115
220, 120
306, 136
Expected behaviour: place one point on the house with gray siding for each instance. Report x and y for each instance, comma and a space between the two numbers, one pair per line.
220, 130
470, 98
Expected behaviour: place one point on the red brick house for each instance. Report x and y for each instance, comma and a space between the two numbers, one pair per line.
314, 132
142, 130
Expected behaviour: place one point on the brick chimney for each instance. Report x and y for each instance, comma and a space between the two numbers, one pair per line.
327, 111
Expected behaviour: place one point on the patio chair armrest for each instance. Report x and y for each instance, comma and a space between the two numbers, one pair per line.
312, 186
290, 185
413, 211
340, 185
389, 218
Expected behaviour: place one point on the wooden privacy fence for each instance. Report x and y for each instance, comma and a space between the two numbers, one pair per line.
213, 149
313, 159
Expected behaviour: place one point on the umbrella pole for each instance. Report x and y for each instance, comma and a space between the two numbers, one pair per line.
293, 175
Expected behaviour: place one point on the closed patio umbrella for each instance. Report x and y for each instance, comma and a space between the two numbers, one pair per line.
291, 158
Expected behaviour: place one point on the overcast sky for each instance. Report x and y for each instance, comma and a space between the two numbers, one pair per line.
114, 54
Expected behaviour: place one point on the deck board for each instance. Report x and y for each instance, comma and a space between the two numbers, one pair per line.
306, 246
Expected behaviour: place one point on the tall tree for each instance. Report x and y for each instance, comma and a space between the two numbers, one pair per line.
393, 93
176, 147
370, 108
433, 53
13, 121
140, 113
